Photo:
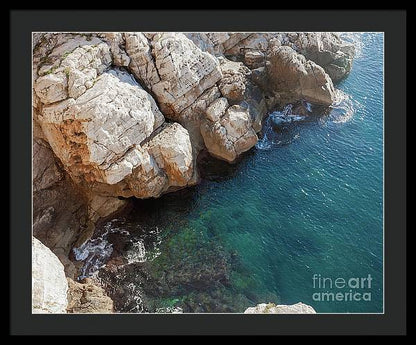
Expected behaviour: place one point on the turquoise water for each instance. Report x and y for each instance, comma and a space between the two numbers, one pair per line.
309, 202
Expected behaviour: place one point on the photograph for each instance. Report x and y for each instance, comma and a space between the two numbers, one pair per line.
207, 172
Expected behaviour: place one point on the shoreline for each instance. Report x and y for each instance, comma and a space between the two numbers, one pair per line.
231, 103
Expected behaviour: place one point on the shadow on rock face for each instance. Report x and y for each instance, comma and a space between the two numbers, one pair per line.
153, 211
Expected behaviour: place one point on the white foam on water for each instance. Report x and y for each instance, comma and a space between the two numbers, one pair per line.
135, 296
265, 143
96, 251
137, 253
343, 109
356, 39
278, 118
155, 252
170, 310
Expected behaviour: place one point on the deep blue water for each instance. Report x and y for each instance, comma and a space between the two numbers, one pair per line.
309, 202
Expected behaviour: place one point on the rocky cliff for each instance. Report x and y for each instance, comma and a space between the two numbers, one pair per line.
120, 115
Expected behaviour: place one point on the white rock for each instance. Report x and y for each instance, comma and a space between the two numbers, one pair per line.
271, 308
116, 40
141, 64
75, 65
51, 88
294, 77
100, 128
49, 284
147, 179
216, 109
173, 67
172, 150
231, 135
327, 50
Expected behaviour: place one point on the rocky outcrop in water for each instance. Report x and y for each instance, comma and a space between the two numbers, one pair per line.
271, 308
291, 77
230, 135
327, 50
99, 119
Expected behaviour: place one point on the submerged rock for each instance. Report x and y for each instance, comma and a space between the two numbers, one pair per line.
271, 308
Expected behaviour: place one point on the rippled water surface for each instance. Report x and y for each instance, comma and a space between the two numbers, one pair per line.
307, 200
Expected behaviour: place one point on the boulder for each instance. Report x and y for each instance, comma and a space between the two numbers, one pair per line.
173, 68
186, 81
112, 136
49, 285
292, 77
271, 308
95, 135
231, 135
172, 150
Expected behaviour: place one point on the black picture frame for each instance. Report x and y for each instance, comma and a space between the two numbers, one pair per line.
23, 23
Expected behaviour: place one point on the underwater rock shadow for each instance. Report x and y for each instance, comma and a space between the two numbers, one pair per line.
216, 170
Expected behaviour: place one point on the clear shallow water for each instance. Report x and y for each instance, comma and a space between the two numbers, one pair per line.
307, 200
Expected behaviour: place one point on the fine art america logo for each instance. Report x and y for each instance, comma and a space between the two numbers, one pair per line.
339, 289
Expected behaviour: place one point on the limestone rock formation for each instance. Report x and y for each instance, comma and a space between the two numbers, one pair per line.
117, 43
99, 129
186, 81
237, 86
291, 77
60, 210
179, 72
231, 135
91, 135
327, 50
87, 297
172, 150
99, 136
324, 48
49, 285
271, 308
93, 131
217, 43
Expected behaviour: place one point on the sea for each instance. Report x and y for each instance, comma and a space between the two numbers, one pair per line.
299, 218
